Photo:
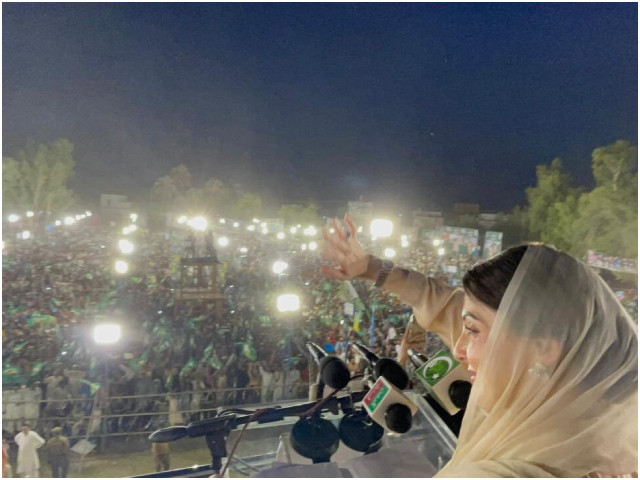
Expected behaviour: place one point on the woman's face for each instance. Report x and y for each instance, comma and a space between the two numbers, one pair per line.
477, 319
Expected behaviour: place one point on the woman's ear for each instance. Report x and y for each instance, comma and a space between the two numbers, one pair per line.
547, 351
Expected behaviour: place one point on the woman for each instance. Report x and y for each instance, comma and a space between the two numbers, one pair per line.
552, 354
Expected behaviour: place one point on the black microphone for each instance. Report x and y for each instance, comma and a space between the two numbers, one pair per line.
333, 370
384, 367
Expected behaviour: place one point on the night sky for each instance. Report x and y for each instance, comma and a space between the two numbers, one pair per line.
406, 104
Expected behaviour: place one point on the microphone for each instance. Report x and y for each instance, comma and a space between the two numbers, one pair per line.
389, 407
446, 380
333, 370
384, 367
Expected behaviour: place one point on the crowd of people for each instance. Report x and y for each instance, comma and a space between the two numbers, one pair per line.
177, 361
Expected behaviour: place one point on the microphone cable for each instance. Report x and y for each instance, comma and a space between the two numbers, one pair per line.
253, 416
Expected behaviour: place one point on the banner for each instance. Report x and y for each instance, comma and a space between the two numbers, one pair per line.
610, 262
457, 240
492, 244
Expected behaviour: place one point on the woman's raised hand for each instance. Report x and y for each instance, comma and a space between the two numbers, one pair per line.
344, 250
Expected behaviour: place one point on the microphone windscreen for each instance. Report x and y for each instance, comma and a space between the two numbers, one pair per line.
334, 372
168, 434
398, 418
392, 371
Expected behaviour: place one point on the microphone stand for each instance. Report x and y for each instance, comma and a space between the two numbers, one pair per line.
217, 429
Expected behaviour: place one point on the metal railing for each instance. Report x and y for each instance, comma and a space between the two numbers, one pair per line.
141, 414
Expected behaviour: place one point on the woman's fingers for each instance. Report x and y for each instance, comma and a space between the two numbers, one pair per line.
335, 242
352, 227
339, 230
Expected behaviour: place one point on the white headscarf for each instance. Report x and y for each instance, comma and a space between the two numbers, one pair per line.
556, 393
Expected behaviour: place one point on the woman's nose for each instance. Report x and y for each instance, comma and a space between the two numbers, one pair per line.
460, 350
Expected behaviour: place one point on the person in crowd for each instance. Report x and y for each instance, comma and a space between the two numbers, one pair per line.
161, 455
551, 352
7, 470
57, 449
28, 442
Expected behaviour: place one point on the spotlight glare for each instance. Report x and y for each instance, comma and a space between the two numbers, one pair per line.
389, 252
381, 228
125, 246
313, 246
223, 241
279, 267
121, 266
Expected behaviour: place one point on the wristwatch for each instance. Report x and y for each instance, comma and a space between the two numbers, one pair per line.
387, 266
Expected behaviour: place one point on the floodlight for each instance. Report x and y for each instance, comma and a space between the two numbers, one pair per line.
198, 223
381, 228
279, 267
121, 266
125, 246
107, 333
288, 302
313, 245
223, 241
389, 252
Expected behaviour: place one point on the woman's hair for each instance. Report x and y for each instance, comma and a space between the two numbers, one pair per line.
487, 281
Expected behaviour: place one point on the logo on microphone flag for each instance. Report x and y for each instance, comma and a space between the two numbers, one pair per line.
375, 396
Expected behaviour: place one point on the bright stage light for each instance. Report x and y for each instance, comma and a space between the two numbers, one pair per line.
310, 231
30, 214
389, 252
381, 228
198, 223
125, 246
279, 267
14, 218
182, 219
313, 246
26, 234
436, 242
288, 302
244, 249
280, 235
251, 228
107, 333
69, 220
121, 266
223, 241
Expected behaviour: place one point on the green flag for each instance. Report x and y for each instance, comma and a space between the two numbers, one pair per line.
249, 351
190, 365
37, 368
17, 348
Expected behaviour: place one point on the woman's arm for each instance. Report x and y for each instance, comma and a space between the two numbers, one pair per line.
437, 306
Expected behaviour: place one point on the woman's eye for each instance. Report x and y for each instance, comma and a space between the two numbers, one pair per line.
470, 330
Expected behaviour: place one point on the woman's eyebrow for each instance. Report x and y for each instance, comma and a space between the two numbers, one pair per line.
466, 314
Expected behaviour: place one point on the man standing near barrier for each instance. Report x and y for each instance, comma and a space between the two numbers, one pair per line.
57, 448
161, 453
28, 462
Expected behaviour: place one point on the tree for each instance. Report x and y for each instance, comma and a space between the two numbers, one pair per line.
294, 214
613, 164
554, 186
608, 215
37, 179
